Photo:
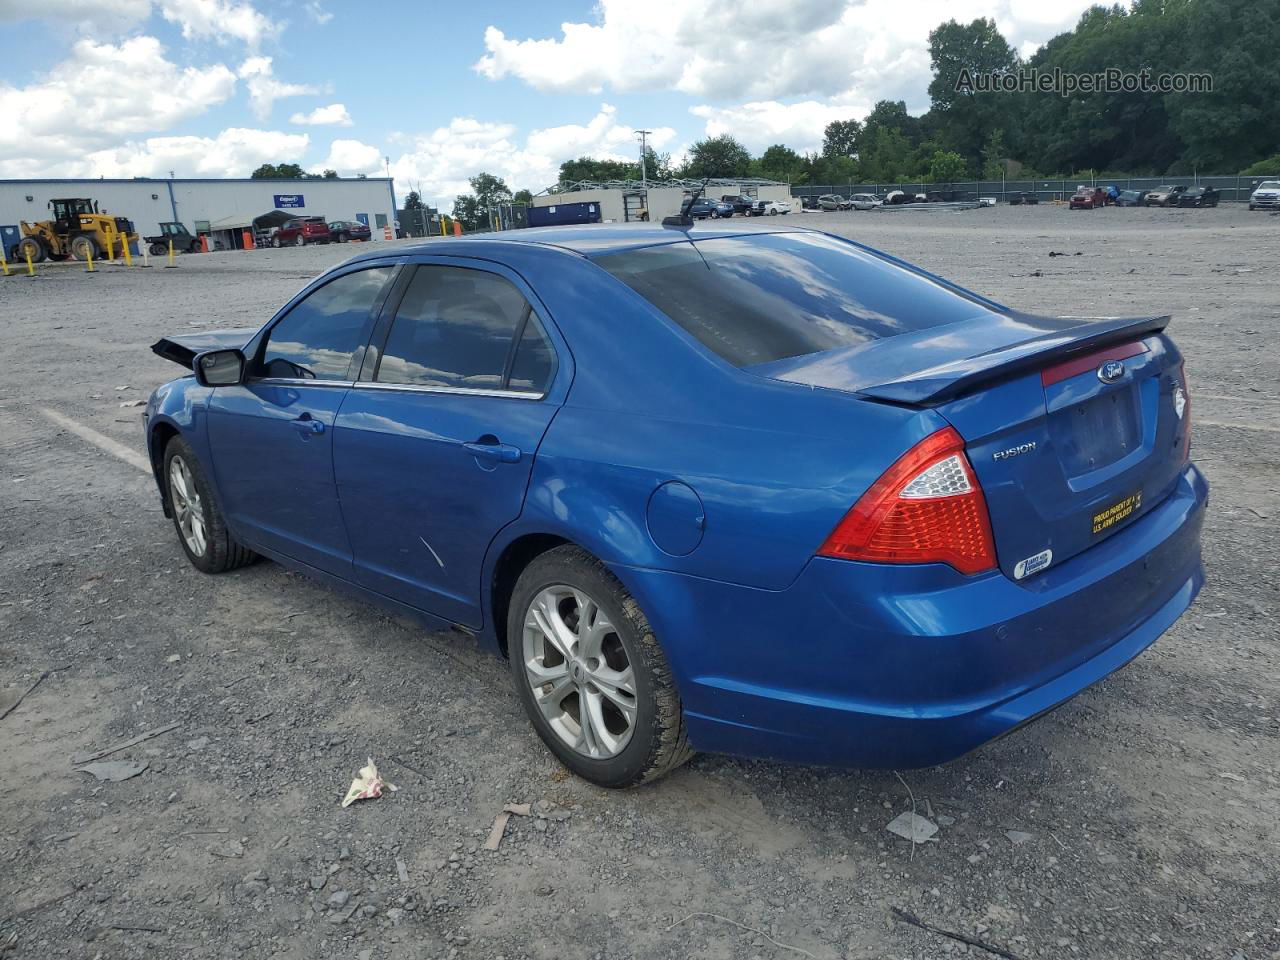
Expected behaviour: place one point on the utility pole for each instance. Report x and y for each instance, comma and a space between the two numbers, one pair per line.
644, 143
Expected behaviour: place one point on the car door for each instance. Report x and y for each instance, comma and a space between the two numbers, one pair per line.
434, 445
272, 436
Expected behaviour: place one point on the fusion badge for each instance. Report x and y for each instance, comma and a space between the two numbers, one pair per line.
1012, 452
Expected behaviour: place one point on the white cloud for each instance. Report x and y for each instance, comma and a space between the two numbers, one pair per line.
219, 20
234, 152
440, 162
839, 51
265, 89
350, 157
318, 13
334, 115
88, 15
99, 95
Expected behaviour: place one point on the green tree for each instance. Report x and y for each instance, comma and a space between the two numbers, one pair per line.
522, 196
589, 168
946, 166
840, 138
330, 175
993, 155
1263, 168
486, 191
281, 171
721, 156
958, 52
413, 201
780, 162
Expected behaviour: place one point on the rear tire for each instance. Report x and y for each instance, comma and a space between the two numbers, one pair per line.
202, 530
301, 241
84, 245
614, 668
275, 241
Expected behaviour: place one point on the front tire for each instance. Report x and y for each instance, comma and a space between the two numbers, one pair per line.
301, 241
202, 531
83, 246
590, 673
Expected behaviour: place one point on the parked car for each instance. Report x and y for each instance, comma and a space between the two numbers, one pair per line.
1163, 196
1087, 198
1024, 198
1197, 197
744, 205
301, 231
483, 450
343, 230
775, 207
833, 201
809, 203
1266, 196
864, 201
1131, 198
705, 207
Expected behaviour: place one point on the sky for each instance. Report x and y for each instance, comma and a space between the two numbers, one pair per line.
436, 92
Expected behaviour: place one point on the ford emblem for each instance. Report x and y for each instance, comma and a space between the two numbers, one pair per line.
1111, 371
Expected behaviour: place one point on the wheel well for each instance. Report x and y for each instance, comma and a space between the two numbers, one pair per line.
160, 437
518, 555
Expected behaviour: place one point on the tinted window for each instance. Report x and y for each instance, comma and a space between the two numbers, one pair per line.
762, 298
317, 338
454, 328
534, 362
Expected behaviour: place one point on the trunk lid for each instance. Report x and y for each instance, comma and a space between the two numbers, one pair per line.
1075, 428
182, 349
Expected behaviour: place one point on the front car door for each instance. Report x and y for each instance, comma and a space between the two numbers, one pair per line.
434, 445
272, 436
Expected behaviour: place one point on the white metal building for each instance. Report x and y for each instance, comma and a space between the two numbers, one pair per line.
199, 203
623, 200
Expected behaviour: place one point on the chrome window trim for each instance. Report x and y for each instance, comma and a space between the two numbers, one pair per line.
462, 391
299, 381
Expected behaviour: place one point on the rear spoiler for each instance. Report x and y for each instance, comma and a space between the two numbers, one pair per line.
183, 349
1062, 339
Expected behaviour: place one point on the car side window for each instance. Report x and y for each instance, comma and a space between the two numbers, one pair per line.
455, 328
317, 338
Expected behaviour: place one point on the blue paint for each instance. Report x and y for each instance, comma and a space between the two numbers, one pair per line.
707, 490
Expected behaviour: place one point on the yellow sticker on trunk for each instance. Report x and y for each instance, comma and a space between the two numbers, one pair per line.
1109, 517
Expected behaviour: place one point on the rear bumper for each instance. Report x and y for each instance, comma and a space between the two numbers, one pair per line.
863, 665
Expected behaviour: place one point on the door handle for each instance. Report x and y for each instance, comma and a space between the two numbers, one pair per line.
306, 425
501, 452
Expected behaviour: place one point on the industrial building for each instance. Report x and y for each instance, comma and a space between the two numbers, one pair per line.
221, 209
623, 200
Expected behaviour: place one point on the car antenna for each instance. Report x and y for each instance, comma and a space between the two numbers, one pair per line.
682, 219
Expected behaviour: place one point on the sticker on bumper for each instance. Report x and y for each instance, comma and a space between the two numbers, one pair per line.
1109, 517
1024, 568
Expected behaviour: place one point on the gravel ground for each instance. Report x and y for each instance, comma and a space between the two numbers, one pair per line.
1137, 821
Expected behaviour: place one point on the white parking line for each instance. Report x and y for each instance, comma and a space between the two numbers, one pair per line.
105, 443
1196, 421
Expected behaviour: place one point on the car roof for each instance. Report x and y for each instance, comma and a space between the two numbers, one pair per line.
588, 240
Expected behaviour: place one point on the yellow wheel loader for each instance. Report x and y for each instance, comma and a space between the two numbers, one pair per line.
77, 230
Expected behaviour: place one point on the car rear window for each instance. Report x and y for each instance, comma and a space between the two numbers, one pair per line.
766, 297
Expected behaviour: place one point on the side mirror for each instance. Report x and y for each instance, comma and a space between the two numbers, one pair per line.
219, 368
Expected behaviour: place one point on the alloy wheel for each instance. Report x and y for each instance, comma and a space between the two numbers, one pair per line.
188, 509
579, 672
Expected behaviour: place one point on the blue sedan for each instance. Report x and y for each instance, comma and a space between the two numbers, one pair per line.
765, 492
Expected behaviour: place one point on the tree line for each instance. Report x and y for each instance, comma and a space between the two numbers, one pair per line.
966, 134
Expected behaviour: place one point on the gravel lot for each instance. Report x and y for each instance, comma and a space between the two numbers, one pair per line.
1137, 821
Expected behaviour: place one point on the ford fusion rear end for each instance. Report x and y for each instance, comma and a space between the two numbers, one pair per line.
1037, 527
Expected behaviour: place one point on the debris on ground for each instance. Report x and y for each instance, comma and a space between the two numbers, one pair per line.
1018, 836
367, 786
125, 744
9, 700
912, 920
114, 771
500, 823
912, 826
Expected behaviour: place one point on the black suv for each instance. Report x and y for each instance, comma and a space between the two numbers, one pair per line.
745, 206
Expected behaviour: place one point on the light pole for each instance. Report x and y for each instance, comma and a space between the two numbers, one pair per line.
643, 135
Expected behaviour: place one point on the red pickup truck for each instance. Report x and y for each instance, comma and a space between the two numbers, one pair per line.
301, 231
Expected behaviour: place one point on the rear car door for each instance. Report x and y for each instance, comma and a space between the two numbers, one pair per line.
434, 444
272, 436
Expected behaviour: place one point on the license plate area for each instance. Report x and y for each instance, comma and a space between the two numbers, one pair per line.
1097, 432
1116, 514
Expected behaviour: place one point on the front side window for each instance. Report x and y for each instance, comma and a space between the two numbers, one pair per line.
757, 299
317, 338
458, 328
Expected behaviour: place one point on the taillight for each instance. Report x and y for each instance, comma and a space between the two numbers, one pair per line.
926, 508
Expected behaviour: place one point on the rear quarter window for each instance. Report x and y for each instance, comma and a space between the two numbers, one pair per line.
766, 297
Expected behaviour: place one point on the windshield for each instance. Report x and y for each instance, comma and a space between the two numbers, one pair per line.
756, 299
1269, 185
